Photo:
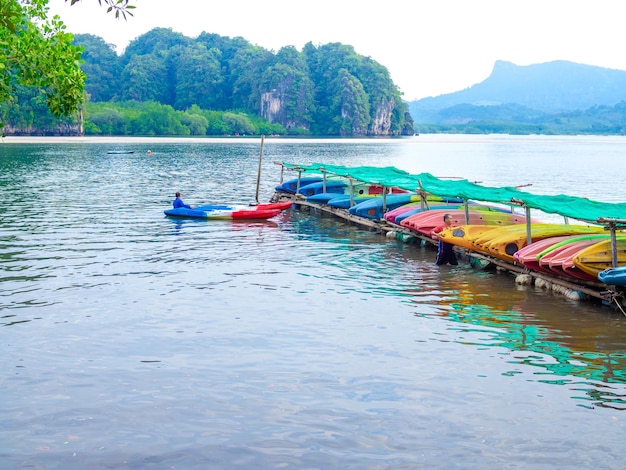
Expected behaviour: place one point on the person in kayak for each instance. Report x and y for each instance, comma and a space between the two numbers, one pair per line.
445, 253
178, 202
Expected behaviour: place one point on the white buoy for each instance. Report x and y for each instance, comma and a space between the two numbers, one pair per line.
542, 283
571, 294
575, 295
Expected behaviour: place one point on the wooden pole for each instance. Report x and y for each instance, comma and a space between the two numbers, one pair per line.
384, 199
519, 202
529, 237
350, 180
613, 246
466, 207
613, 225
423, 196
258, 176
298, 184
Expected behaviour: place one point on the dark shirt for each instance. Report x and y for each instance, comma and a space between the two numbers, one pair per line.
445, 252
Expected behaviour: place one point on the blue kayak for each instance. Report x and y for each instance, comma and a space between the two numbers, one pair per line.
318, 188
199, 212
344, 202
323, 198
373, 208
613, 276
290, 186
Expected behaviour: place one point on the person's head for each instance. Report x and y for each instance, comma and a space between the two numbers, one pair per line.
447, 219
177, 194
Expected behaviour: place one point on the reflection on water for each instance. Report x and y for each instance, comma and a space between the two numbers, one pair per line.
134, 339
564, 343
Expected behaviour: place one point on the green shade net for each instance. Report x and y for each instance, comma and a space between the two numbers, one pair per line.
567, 206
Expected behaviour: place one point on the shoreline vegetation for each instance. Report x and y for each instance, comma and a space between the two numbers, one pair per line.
168, 84
116, 140
251, 139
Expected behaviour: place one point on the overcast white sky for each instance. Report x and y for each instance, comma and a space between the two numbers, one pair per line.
430, 47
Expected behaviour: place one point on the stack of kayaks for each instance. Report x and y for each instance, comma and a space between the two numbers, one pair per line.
230, 212
528, 255
322, 191
424, 222
396, 216
580, 257
557, 258
346, 201
290, 186
503, 242
375, 208
330, 186
598, 257
334, 188
579, 252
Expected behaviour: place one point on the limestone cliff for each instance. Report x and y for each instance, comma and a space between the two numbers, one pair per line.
381, 123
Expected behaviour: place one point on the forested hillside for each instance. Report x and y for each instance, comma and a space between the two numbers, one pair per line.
553, 98
168, 84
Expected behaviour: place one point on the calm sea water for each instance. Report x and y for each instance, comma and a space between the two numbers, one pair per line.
130, 340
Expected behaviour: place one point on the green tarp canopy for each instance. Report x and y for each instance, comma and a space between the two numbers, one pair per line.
579, 208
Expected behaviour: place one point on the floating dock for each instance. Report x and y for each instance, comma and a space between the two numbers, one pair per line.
570, 288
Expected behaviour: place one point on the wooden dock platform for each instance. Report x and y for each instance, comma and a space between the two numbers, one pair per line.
561, 286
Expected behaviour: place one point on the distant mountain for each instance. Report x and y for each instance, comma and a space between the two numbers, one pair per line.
525, 94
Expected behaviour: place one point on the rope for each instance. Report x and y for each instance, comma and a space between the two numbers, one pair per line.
618, 304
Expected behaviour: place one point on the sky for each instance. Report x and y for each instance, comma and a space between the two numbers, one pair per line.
430, 47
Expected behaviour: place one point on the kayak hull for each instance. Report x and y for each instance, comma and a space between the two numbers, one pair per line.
613, 276
225, 212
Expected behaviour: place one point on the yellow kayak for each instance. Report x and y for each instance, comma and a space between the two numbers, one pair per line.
464, 235
504, 241
508, 242
596, 258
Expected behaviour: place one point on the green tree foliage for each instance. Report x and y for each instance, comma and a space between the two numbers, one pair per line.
157, 40
329, 62
196, 123
327, 90
27, 113
287, 79
102, 66
152, 118
517, 119
350, 105
198, 77
228, 48
145, 78
247, 65
35, 51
